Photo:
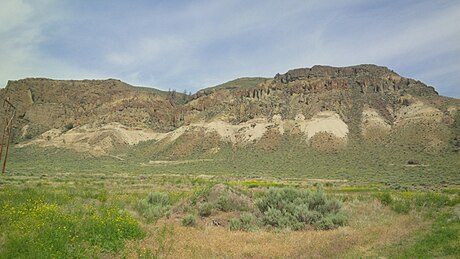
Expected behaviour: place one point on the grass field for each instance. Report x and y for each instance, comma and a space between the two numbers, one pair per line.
57, 203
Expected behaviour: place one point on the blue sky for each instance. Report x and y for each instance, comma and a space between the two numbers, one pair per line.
189, 45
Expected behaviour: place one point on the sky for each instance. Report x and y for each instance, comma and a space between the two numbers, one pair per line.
188, 45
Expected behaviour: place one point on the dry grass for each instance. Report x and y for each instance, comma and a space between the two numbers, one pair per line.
176, 162
371, 227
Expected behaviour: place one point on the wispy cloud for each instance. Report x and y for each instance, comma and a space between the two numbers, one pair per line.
22, 32
194, 44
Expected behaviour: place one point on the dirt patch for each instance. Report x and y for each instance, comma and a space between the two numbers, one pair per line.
325, 122
418, 111
373, 125
243, 133
97, 140
372, 117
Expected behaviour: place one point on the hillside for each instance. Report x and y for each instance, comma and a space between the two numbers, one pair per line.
325, 108
245, 82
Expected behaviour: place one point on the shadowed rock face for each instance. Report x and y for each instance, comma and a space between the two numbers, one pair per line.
321, 104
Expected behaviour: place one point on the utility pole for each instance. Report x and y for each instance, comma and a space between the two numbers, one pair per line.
10, 112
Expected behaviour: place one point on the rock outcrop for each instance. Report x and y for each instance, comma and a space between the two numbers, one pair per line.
326, 107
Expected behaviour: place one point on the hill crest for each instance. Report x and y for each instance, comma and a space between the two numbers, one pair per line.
327, 107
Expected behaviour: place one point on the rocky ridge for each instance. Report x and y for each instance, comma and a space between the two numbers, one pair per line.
327, 107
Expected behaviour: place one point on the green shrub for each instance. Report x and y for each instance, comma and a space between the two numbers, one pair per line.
235, 224
298, 209
226, 203
339, 219
189, 220
102, 196
304, 214
205, 209
436, 200
246, 222
405, 201
198, 193
281, 219
158, 198
385, 198
401, 206
325, 223
154, 206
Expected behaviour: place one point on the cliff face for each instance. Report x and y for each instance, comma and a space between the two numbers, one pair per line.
46, 104
311, 90
367, 78
327, 107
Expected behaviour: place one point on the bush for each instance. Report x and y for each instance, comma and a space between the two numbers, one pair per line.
325, 223
405, 201
189, 220
298, 209
154, 206
401, 206
436, 200
304, 214
205, 209
398, 204
281, 219
385, 198
158, 198
339, 219
245, 222
226, 203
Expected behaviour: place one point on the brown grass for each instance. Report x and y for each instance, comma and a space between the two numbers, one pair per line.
371, 227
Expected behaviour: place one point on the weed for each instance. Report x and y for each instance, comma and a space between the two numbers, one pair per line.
442, 240
54, 224
226, 203
102, 196
385, 198
154, 206
436, 200
199, 192
164, 239
205, 209
257, 183
401, 206
145, 253
246, 222
189, 220
403, 202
